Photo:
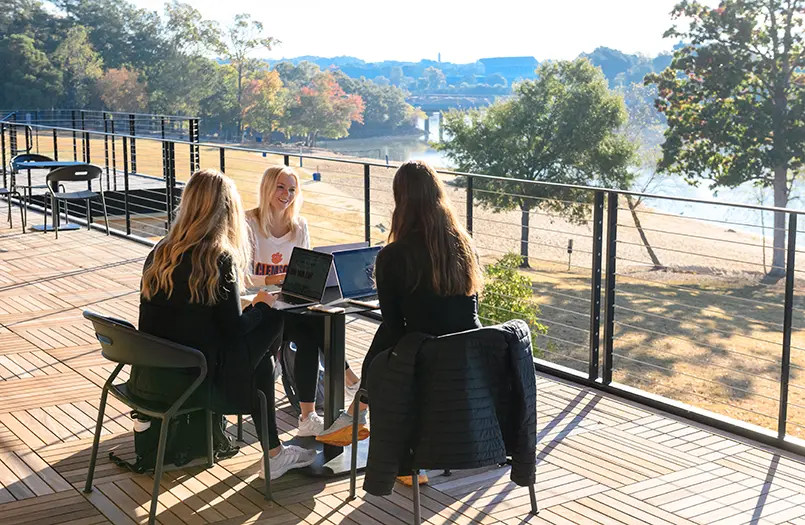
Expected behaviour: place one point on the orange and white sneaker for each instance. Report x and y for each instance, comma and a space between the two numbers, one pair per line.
339, 434
408, 481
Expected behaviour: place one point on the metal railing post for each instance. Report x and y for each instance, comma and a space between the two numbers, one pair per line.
367, 209
609, 315
785, 374
133, 145
85, 137
3, 153
75, 145
106, 147
28, 142
172, 177
126, 187
222, 159
595, 285
287, 160
470, 201
114, 155
55, 144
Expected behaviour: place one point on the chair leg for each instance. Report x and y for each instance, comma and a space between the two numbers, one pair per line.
10, 220
56, 207
89, 217
266, 447
23, 215
240, 427
45, 203
353, 469
210, 456
105, 215
417, 508
533, 495
160, 460
96, 441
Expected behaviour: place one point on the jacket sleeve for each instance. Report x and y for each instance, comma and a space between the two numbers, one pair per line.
523, 443
233, 322
388, 293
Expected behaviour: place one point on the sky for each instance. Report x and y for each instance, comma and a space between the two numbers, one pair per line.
461, 31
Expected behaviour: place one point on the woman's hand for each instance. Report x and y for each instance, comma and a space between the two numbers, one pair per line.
264, 297
274, 280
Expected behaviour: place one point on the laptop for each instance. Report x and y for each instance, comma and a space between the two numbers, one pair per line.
332, 279
356, 275
305, 280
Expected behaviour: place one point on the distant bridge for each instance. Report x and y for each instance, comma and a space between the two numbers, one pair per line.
436, 103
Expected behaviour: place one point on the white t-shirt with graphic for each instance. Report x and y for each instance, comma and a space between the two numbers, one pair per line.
272, 254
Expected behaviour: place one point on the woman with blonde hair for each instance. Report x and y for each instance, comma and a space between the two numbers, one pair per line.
428, 276
190, 294
277, 228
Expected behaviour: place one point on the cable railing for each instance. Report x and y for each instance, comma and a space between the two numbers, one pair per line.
706, 333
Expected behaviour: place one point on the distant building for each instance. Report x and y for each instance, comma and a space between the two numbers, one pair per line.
512, 68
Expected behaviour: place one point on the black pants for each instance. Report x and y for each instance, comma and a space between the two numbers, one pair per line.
305, 331
382, 341
260, 340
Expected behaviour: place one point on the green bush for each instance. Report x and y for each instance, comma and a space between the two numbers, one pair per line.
508, 295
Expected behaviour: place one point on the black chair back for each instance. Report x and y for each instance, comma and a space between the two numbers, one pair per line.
121, 343
18, 161
80, 173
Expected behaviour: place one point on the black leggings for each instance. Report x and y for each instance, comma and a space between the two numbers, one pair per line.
305, 332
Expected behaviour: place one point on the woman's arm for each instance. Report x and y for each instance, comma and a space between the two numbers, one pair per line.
388, 275
304, 234
232, 321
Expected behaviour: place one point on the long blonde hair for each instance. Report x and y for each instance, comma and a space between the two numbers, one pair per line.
265, 195
210, 221
422, 210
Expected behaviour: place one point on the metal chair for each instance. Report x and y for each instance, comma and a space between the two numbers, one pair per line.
8, 193
17, 165
82, 173
123, 344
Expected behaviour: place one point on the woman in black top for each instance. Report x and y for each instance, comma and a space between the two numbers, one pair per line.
190, 294
428, 276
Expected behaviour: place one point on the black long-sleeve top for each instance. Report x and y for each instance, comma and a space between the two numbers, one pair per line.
410, 307
218, 331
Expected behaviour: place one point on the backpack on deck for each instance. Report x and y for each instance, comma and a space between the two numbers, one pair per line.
286, 360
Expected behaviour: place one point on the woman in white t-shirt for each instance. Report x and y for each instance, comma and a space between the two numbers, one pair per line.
277, 228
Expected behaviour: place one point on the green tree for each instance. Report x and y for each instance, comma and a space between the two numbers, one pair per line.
508, 295
28, 79
734, 97
300, 75
244, 37
435, 78
385, 109
560, 128
81, 67
263, 102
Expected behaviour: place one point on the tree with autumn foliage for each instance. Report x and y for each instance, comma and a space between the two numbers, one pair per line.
263, 102
120, 89
322, 108
734, 97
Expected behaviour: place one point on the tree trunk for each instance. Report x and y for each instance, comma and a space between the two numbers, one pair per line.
653, 256
526, 209
780, 201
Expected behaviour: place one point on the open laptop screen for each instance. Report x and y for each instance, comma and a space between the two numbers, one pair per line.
356, 271
307, 273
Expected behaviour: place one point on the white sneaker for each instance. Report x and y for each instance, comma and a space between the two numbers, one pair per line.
290, 457
311, 426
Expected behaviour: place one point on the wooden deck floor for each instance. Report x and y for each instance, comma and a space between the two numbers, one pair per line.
601, 460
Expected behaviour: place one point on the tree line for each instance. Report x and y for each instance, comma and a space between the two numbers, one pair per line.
109, 54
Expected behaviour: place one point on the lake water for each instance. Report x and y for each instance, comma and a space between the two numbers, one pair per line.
398, 149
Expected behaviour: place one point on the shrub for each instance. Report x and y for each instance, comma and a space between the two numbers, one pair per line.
508, 295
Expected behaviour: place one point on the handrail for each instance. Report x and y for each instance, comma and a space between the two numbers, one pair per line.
322, 158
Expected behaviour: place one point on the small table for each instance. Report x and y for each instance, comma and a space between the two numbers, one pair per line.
333, 461
45, 165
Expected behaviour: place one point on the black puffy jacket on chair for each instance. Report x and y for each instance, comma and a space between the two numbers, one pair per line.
458, 401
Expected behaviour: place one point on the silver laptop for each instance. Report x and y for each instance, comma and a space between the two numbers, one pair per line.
305, 279
356, 275
332, 279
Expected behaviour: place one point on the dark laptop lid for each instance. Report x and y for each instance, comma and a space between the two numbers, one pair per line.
356, 271
307, 273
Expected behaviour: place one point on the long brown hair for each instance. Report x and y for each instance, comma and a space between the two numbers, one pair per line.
211, 222
265, 194
423, 210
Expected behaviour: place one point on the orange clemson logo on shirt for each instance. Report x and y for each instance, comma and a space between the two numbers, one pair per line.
276, 258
